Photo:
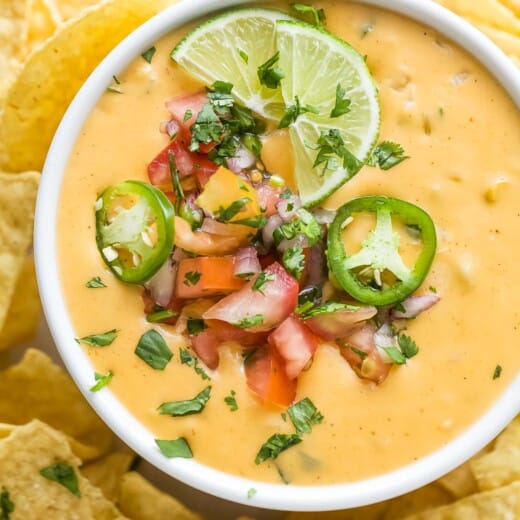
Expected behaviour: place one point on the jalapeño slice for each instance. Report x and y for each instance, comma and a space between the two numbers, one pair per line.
377, 274
134, 230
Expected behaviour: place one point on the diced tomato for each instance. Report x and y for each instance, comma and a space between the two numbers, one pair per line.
214, 275
268, 198
275, 300
206, 343
202, 243
266, 377
267, 260
361, 352
295, 343
150, 306
188, 163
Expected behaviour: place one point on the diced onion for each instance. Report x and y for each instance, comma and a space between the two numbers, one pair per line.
287, 208
273, 222
384, 338
214, 227
324, 216
242, 160
299, 240
162, 284
247, 262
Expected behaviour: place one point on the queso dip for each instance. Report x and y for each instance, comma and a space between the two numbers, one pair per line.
461, 133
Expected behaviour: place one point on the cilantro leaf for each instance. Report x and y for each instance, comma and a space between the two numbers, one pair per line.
6, 504
192, 361
99, 340
253, 143
95, 283
256, 222
64, 475
293, 111
304, 415
327, 308
262, 280
153, 350
304, 224
176, 181
187, 115
387, 155
362, 355
408, 346
498, 372
192, 278
250, 321
206, 129
102, 381
331, 148
195, 326
186, 407
317, 16
148, 54
161, 315
226, 214
294, 261
275, 445
231, 401
342, 105
251, 492
268, 74
395, 355
178, 448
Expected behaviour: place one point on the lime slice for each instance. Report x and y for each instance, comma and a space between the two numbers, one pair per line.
315, 62
231, 47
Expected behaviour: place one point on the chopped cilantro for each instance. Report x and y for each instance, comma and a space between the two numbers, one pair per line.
286, 194
153, 350
176, 181
99, 340
399, 307
192, 361
148, 54
294, 261
195, 326
304, 415
192, 278
250, 321
408, 346
6, 504
253, 143
362, 355
387, 155
114, 88
64, 475
186, 407
161, 315
395, 355
262, 280
317, 16
304, 224
432, 289
102, 381
275, 445
226, 214
187, 115
244, 56
256, 222
293, 111
177, 448
251, 492
268, 74
95, 283
342, 105
329, 307
331, 147
498, 372
231, 401
207, 128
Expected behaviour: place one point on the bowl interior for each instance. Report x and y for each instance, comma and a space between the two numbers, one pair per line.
274, 496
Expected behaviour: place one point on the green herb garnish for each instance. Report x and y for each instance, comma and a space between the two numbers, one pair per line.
268, 74
304, 224
342, 105
251, 492
187, 115
293, 111
102, 381
226, 214
262, 280
95, 283
498, 372
317, 16
294, 261
332, 153
408, 346
195, 326
250, 321
231, 401
244, 56
304, 415
178, 448
362, 355
192, 278
186, 407
387, 155
148, 55
64, 475
207, 128
99, 340
191, 361
275, 445
395, 355
256, 222
161, 315
6, 504
153, 350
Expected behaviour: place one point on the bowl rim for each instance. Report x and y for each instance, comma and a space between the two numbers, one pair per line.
112, 411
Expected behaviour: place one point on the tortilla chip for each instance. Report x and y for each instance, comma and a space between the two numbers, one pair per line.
44, 19
422, 499
501, 504
71, 8
502, 465
13, 37
36, 388
140, 500
372, 512
24, 313
106, 473
490, 12
516, 60
460, 482
17, 199
53, 73
24, 453
514, 5
508, 42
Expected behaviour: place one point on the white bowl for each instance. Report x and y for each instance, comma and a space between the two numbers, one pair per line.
133, 433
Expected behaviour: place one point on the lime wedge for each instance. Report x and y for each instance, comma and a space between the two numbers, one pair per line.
231, 47
315, 62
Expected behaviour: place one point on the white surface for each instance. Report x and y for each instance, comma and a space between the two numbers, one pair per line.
277, 496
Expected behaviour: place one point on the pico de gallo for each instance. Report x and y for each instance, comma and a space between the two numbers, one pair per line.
225, 252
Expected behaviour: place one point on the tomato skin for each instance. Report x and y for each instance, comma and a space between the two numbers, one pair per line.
295, 344
217, 276
206, 343
275, 302
266, 377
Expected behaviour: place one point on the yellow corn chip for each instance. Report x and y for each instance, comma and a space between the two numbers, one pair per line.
516, 60
460, 482
509, 43
53, 73
372, 512
26, 451
490, 12
36, 388
17, 199
24, 313
501, 504
72, 8
106, 472
502, 465
514, 5
140, 500
44, 19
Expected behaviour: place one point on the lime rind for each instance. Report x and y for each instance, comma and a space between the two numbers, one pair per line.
328, 61
245, 33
